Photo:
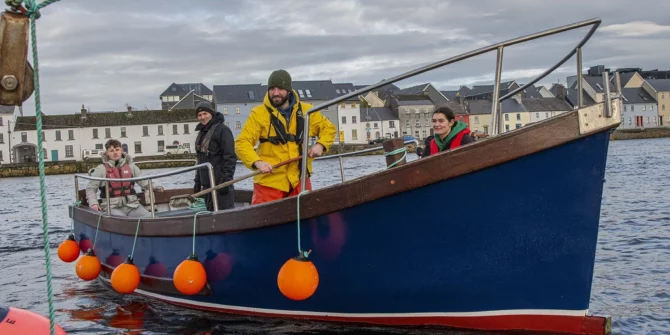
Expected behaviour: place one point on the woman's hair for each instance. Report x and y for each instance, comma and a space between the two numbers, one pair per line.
447, 112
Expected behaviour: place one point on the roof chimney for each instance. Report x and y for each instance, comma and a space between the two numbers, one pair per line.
560, 91
84, 112
130, 108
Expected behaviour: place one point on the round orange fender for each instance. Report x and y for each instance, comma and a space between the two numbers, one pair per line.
21, 321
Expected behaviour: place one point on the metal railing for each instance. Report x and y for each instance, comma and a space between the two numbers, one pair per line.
496, 114
209, 166
496, 124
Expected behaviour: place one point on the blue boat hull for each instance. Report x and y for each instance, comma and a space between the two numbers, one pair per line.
514, 239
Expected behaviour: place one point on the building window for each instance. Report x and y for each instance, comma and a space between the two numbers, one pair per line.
95, 133
123, 131
1, 124
225, 110
186, 129
624, 108
537, 115
44, 153
391, 124
138, 147
651, 107
518, 116
506, 117
238, 124
237, 109
506, 127
145, 130
301, 94
98, 146
546, 114
476, 119
644, 108
2, 138
354, 134
309, 94
24, 137
161, 146
108, 132
664, 107
227, 124
1, 159
58, 138
518, 125
632, 108
353, 119
174, 130
160, 130
70, 135
375, 125
68, 151
344, 120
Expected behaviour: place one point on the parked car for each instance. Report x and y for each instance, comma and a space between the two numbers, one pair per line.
176, 150
91, 153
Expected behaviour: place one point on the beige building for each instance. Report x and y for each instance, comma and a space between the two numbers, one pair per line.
660, 88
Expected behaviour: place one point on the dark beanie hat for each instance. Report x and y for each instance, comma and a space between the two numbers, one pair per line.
204, 106
280, 79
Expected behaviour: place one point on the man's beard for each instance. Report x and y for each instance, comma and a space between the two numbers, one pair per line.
283, 101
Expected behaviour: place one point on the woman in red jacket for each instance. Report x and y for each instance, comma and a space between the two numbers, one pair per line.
449, 133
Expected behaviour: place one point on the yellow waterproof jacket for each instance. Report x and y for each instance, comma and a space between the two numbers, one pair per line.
258, 126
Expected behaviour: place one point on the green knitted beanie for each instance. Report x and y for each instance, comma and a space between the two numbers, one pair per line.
280, 79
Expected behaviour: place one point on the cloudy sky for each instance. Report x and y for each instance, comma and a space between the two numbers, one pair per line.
106, 54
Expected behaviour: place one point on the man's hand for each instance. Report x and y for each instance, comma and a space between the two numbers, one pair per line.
316, 150
263, 166
96, 207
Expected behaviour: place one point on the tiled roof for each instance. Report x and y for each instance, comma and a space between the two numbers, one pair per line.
545, 105
660, 85
106, 119
239, 93
481, 107
377, 114
183, 89
637, 95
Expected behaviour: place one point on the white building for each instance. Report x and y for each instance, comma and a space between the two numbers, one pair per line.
351, 128
544, 108
640, 110
6, 121
142, 133
380, 122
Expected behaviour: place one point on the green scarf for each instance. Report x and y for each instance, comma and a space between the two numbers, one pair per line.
457, 128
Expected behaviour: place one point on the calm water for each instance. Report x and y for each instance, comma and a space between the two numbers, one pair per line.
632, 275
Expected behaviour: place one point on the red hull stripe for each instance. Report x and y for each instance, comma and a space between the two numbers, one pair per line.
566, 324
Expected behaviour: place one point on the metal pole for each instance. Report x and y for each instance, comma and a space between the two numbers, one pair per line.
305, 150
580, 100
496, 114
342, 167
617, 81
151, 198
109, 206
215, 199
76, 188
608, 98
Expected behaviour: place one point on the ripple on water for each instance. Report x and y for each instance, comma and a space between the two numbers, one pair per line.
631, 275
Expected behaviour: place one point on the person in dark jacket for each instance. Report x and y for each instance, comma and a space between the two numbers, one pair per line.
215, 144
449, 133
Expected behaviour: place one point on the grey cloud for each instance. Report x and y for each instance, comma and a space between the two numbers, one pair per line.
108, 53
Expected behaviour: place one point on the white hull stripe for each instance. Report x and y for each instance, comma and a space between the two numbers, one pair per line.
559, 312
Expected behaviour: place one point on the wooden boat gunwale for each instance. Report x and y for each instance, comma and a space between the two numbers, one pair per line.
480, 155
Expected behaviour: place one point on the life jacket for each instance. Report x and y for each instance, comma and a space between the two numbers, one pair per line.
118, 188
282, 136
455, 142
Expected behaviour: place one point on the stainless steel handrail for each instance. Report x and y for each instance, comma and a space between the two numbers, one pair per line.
215, 202
595, 22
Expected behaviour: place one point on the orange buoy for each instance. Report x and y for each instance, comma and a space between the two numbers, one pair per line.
126, 277
114, 259
88, 266
68, 250
155, 268
20, 321
298, 278
190, 276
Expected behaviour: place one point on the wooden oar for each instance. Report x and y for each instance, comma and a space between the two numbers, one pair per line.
188, 199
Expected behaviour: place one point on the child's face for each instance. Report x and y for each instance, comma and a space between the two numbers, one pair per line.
114, 153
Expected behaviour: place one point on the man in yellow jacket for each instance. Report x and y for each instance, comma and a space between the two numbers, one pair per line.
267, 123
